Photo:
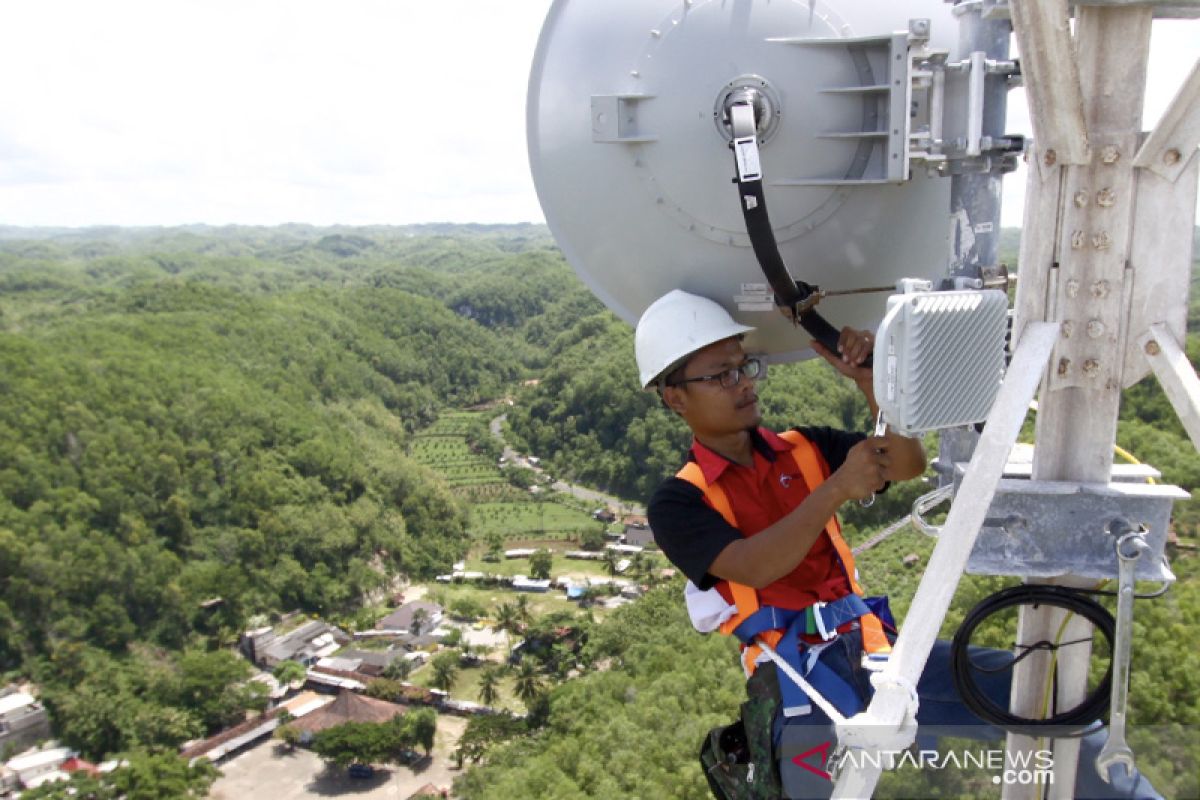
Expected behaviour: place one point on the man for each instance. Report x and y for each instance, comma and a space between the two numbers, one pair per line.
751, 521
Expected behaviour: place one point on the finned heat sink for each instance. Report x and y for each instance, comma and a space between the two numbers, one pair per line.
939, 358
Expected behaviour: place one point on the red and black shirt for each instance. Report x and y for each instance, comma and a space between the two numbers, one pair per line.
692, 534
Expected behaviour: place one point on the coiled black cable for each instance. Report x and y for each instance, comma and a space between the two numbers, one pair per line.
1072, 722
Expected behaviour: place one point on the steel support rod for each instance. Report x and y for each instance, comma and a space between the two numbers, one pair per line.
887, 711
1173, 141
1178, 379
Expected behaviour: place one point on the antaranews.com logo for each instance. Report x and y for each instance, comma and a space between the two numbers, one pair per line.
1023, 768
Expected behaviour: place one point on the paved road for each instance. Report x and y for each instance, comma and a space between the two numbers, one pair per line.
582, 492
496, 426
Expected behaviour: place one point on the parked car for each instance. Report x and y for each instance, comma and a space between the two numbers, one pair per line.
361, 771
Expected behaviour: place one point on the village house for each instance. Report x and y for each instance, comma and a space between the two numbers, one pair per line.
401, 620
348, 707
32, 769
373, 662
231, 740
23, 720
520, 552
523, 584
638, 536
305, 643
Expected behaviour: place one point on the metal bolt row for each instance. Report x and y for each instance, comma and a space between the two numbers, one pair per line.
1109, 155
1095, 328
1091, 367
1105, 198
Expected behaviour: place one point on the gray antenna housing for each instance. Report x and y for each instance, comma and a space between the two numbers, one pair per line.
629, 150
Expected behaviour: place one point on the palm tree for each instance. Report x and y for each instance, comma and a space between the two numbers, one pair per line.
610, 562
507, 620
489, 686
643, 567
523, 615
445, 670
528, 684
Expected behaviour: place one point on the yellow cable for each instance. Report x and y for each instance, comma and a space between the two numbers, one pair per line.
1121, 451
1054, 657
1128, 456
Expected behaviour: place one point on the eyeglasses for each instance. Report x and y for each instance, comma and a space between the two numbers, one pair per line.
752, 368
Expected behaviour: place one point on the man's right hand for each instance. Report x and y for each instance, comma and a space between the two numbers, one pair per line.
862, 473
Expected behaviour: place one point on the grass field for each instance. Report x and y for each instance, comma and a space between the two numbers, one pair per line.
528, 518
491, 598
466, 686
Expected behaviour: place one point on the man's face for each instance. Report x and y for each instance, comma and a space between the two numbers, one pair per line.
708, 407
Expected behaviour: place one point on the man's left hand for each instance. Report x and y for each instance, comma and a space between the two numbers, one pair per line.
854, 347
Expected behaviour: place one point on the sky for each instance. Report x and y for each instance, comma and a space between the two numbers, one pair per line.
266, 112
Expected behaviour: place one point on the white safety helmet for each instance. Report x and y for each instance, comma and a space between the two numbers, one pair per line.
675, 326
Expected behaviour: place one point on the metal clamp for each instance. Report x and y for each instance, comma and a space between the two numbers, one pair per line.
880, 430
926, 503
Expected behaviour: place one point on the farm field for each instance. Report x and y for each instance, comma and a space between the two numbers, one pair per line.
443, 447
532, 516
490, 598
495, 505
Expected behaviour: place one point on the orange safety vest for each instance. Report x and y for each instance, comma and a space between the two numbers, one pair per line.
745, 598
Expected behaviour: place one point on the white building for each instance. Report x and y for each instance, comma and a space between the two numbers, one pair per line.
519, 552
23, 721
35, 768
524, 584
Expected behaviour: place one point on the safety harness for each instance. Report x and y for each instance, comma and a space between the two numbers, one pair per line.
781, 628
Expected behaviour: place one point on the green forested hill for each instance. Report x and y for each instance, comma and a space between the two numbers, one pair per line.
211, 428
589, 419
191, 416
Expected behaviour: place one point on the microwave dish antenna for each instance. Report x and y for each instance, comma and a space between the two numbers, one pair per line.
632, 109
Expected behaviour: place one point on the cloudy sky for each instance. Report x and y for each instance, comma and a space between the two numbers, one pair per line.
265, 112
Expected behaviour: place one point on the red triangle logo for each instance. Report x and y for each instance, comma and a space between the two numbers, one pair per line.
823, 750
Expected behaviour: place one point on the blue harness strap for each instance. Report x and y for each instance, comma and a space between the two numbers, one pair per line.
822, 619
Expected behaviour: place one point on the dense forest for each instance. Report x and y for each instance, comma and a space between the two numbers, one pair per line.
200, 428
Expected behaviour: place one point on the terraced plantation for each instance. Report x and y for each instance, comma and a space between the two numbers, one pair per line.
472, 476
496, 505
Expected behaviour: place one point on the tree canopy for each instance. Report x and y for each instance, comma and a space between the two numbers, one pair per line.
198, 426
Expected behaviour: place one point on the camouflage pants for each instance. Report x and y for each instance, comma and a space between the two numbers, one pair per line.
739, 760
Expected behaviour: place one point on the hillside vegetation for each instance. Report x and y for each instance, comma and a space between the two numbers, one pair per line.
197, 427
